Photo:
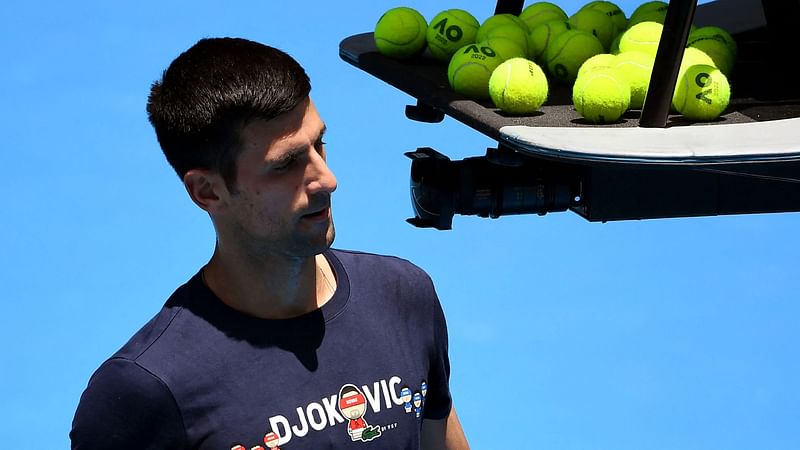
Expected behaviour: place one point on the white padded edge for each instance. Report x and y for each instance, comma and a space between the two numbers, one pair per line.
740, 142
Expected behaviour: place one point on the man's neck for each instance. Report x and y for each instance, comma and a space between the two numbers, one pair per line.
270, 288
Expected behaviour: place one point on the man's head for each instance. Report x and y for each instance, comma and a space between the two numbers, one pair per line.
235, 121
211, 91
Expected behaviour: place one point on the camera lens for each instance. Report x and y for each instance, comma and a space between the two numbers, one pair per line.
441, 188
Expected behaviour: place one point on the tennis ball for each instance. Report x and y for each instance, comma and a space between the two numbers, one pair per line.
504, 48
568, 52
499, 20
539, 13
470, 68
449, 31
717, 49
702, 93
611, 10
601, 95
400, 33
642, 37
715, 32
693, 56
602, 60
597, 23
636, 68
541, 36
518, 86
509, 32
649, 11
649, 16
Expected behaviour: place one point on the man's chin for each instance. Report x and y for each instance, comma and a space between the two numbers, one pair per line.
322, 242
330, 236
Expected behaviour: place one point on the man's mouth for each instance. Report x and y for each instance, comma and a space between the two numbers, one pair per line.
317, 215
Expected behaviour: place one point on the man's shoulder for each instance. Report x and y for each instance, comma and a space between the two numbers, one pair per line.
111, 412
156, 331
386, 265
131, 381
399, 281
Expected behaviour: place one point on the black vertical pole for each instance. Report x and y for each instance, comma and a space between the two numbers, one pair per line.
509, 7
677, 24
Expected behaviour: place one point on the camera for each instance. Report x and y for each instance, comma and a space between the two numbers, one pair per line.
500, 183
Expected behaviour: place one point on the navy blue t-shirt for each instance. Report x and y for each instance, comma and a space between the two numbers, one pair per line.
360, 372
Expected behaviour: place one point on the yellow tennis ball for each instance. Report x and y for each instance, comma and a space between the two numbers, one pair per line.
601, 95
449, 31
693, 56
538, 13
642, 37
597, 23
504, 48
611, 10
702, 93
470, 68
654, 11
499, 20
510, 32
714, 32
649, 16
636, 68
716, 48
602, 60
568, 52
518, 86
541, 36
400, 33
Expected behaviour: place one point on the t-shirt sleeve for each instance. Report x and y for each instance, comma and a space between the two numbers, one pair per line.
438, 401
126, 407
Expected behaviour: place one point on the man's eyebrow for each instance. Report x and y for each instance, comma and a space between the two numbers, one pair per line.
286, 156
296, 152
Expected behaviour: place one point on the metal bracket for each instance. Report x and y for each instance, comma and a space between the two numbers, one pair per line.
422, 112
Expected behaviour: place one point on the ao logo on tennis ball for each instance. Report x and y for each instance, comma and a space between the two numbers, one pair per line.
701, 80
479, 52
453, 33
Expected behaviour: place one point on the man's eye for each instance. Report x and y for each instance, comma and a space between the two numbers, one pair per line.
284, 165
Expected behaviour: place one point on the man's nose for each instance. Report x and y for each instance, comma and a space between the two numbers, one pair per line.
322, 178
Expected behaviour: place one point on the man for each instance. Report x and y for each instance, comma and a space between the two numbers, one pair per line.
258, 346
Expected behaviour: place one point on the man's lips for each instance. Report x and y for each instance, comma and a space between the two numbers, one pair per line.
319, 214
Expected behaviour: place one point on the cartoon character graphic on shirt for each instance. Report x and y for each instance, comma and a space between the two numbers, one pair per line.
353, 405
271, 440
405, 396
417, 403
418, 398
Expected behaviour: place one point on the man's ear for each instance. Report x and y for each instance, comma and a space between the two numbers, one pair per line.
207, 189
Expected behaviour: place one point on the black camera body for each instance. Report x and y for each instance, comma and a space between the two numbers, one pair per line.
500, 183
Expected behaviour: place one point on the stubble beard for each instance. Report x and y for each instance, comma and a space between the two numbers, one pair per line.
297, 244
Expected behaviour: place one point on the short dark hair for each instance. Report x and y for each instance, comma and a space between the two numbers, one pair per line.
214, 89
